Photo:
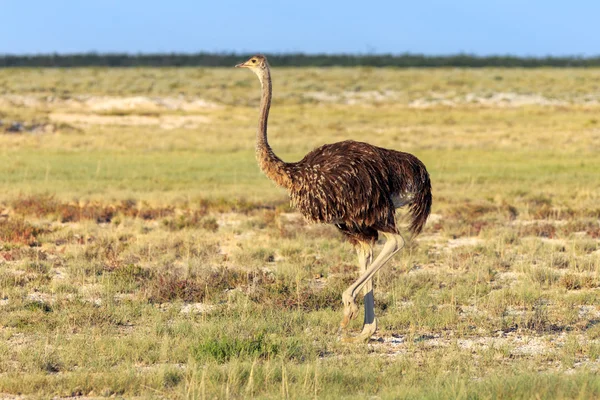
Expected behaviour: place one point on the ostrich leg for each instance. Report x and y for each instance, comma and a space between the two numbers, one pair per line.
393, 244
365, 258
369, 300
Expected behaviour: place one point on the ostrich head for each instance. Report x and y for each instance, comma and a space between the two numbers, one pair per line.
257, 64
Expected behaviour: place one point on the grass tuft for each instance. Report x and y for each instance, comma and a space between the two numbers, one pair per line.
224, 349
19, 231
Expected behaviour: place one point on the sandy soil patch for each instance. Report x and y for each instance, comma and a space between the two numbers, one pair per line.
501, 99
513, 343
447, 99
109, 103
106, 103
347, 97
196, 308
163, 121
464, 241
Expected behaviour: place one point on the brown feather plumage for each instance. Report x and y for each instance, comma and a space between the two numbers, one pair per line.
353, 185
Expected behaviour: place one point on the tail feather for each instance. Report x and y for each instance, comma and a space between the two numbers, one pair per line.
421, 205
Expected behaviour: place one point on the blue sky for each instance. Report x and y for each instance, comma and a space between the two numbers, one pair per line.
483, 27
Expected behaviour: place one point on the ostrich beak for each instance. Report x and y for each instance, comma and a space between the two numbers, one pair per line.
240, 65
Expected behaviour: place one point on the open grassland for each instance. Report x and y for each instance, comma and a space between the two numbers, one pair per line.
143, 254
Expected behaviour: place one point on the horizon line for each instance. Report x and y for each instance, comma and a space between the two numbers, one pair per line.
307, 54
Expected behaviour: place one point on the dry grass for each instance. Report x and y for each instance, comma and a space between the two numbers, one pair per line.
18, 231
143, 254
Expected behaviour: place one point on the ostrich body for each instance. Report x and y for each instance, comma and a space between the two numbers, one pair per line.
355, 186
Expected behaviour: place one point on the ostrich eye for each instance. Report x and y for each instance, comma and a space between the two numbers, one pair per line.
253, 61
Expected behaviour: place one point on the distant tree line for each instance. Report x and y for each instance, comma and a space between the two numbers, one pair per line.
295, 60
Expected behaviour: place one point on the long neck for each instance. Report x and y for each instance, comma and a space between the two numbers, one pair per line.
272, 166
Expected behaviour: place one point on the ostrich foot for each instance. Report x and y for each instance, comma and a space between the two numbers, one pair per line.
350, 309
364, 336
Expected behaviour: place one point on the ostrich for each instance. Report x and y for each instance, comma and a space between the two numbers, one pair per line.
355, 186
